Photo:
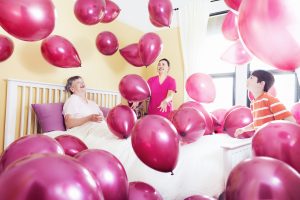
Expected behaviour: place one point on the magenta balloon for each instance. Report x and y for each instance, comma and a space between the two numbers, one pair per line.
143, 191
109, 173
160, 11
208, 120
111, 12
58, 51
120, 121
199, 197
6, 47
89, 12
28, 145
48, 177
236, 54
271, 24
156, 143
155, 23
171, 115
233, 4
229, 27
201, 88
150, 46
134, 88
238, 118
271, 91
71, 144
263, 178
131, 54
189, 123
27, 20
284, 145
107, 43
295, 110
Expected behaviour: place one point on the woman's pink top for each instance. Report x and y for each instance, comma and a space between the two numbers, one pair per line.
159, 93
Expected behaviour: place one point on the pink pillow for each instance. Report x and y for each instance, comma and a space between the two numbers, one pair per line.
49, 116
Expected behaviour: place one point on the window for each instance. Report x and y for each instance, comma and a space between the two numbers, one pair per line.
286, 84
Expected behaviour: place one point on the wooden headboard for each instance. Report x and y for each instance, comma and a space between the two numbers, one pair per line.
20, 119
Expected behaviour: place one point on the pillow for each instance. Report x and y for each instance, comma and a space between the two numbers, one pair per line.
104, 110
49, 116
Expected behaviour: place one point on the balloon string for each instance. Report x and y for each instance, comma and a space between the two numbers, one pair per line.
172, 173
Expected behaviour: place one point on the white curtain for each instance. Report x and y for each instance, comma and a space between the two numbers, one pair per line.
193, 19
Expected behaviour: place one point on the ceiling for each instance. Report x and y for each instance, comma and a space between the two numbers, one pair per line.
135, 12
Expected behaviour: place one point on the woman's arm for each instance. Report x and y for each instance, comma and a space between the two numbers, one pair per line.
72, 122
164, 103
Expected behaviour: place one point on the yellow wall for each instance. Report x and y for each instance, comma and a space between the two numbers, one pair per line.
98, 71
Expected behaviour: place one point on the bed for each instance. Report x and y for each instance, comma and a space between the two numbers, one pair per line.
202, 167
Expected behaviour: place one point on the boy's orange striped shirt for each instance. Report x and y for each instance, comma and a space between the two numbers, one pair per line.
267, 108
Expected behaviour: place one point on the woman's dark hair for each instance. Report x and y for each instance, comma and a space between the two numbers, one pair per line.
164, 59
69, 83
265, 76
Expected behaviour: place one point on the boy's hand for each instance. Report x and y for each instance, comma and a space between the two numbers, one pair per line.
238, 132
163, 106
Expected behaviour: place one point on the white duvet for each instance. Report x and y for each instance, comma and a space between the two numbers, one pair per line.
200, 167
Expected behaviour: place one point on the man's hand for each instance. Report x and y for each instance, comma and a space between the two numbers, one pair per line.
163, 106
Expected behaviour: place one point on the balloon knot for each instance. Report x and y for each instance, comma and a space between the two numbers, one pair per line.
172, 173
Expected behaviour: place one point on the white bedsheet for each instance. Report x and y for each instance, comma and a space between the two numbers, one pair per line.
200, 167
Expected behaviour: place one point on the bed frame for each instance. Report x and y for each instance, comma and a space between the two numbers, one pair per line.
20, 118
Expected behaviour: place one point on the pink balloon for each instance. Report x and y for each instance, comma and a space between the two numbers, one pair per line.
295, 110
134, 88
218, 116
201, 88
208, 120
89, 12
199, 197
229, 26
111, 12
271, 24
48, 177
6, 48
238, 118
28, 145
58, 51
131, 54
150, 46
155, 23
189, 123
263, 178
271, 91
233, 4
284, 145
161, 11
236, 54
171, 115
120, 121
109, 173
143, 191
71, 144
156, 143
27, 20
107, 43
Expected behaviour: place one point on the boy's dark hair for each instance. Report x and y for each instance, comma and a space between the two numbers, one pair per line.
265, 76
69, 83
164, 59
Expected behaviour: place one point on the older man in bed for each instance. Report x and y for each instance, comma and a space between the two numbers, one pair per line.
78, 110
